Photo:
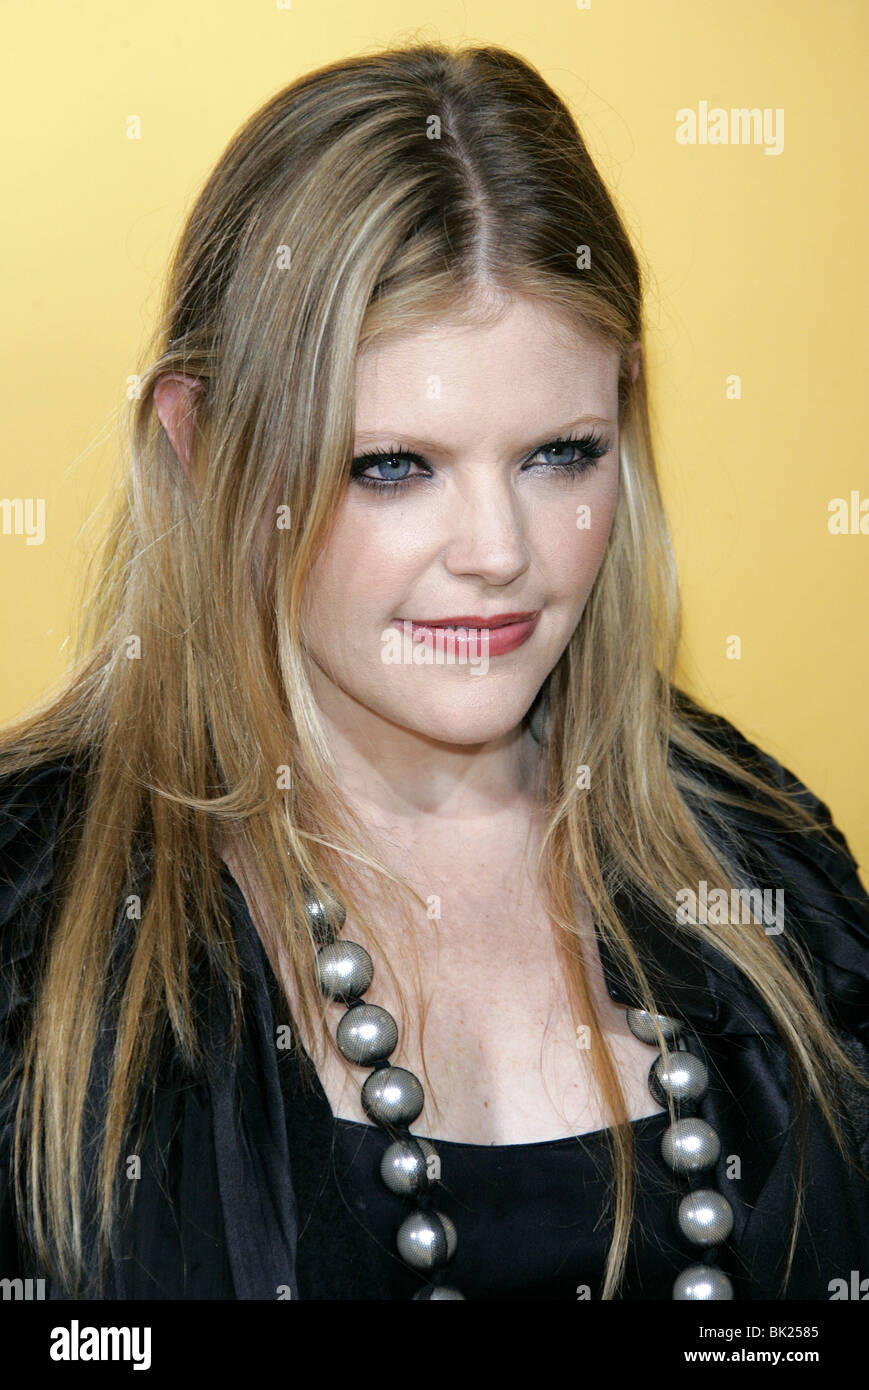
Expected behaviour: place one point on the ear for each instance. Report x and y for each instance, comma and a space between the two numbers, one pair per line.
175, 399
636, 351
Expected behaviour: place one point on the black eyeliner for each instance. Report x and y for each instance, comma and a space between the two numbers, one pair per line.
592, 445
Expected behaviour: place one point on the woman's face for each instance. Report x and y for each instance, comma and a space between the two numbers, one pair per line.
478, 515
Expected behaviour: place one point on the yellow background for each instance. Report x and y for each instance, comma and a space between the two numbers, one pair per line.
757, 263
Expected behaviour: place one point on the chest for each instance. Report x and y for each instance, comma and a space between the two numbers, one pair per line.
485, 1022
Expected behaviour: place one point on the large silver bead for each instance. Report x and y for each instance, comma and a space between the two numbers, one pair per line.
367, 1034
426, 1239
405, 1170
678, 1074
392, 1096
705, 1216
703, 1281
431, 1291
344, 969
326, 915
640, 1024
690, 1145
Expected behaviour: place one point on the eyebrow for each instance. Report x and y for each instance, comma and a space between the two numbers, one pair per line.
412, 441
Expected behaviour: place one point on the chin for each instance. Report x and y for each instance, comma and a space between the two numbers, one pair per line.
467, 727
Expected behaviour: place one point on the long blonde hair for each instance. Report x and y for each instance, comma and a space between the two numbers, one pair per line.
364, 199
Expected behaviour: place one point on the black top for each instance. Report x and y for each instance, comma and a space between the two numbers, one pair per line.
531, 1219
251, 1190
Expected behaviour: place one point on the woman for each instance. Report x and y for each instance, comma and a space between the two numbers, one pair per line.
372, 810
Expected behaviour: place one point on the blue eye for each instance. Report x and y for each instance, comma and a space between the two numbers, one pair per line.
390, 464
585, 448
564, 445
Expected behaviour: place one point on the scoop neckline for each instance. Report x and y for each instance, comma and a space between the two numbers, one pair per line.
594, 1134
279, 1007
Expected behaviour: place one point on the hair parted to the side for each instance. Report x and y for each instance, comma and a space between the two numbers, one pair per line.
367, 198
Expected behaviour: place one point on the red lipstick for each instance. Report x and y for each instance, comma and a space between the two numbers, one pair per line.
496, 634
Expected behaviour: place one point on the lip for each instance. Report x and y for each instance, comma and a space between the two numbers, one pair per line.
504, 632
474, 620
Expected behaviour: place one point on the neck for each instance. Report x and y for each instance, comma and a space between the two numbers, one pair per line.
396, 775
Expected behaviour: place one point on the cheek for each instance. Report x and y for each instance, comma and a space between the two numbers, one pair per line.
362, 568
570, 536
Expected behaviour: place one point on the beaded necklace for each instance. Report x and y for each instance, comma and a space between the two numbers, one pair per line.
393, 1098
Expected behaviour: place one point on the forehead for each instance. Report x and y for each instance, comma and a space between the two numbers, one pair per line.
526, 364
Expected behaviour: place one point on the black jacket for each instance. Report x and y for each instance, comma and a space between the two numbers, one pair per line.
236, 1157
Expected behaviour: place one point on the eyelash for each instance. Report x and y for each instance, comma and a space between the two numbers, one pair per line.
592, 447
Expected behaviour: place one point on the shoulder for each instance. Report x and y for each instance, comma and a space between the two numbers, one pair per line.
822, 850
826, 907
34, 803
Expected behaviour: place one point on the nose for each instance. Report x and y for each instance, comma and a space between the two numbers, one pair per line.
486, 528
